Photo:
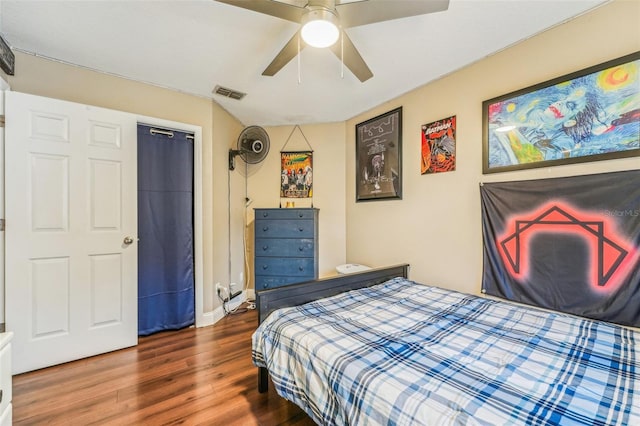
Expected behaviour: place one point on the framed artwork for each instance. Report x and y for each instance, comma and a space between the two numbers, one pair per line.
589, 115
379, 157
438, 146
296, 178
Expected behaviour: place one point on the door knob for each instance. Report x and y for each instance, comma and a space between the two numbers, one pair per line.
128, 240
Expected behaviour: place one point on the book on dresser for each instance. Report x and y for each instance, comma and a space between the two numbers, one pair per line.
286, 246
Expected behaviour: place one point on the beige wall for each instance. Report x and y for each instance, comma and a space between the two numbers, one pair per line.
327, 142
223, 191
436, 226
219, 131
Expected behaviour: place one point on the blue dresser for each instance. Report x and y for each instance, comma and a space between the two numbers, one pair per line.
286, 246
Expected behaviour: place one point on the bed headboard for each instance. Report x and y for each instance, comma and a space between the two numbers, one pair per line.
269, 300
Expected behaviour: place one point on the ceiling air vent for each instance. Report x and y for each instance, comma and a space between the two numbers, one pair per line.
229, 93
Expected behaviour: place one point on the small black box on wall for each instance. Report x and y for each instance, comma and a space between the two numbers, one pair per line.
7, 58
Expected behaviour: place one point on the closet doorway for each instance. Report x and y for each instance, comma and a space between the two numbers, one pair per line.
166, 255
73, 172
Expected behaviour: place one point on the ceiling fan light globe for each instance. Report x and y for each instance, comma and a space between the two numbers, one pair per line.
320, 28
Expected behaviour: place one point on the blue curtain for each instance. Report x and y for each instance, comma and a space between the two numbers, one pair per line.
165, 228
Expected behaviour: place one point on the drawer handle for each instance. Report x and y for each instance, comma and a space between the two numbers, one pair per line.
265, 267
300, 215
265, 229
300, 229
265, 214
265, 248
301, 248
266, 285
300, 268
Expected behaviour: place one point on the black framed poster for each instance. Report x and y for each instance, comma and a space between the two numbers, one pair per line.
379, 157
588, 115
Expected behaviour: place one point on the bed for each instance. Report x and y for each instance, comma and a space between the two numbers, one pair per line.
377, 348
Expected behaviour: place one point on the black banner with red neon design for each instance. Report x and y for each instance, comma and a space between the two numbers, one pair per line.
569, 244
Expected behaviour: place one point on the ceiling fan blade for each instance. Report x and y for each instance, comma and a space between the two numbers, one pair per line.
352, 58
288, 52
358, 13
268, 7
296, 3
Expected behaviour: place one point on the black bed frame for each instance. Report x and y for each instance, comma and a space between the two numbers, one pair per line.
269, 300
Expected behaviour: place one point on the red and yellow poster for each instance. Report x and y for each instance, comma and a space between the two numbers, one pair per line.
296, 179
439, 146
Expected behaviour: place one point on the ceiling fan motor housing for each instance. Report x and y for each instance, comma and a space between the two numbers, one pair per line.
337, 15
320, 26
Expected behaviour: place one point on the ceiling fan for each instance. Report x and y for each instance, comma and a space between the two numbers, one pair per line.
329, 19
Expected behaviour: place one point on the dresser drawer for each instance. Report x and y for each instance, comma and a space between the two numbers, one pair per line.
266, 228
289, 247
285, 247
284, 214
265, 282
295, 267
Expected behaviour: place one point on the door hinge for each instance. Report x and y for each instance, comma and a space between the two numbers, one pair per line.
1, 224
1, 120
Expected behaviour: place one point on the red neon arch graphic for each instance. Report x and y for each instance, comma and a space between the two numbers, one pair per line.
610, 253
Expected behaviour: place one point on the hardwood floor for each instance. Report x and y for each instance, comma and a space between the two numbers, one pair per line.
193, 376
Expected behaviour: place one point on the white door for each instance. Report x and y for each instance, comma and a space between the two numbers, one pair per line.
71, 226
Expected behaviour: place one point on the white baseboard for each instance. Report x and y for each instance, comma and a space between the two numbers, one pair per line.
212, 317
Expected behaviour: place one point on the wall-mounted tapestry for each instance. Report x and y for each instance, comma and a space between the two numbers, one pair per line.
569, 244
438, 146
592, 114
296, 178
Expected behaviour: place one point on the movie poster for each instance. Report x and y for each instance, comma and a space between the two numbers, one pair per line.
439, 146
297, 174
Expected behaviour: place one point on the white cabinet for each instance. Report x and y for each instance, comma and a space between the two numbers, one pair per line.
5, 379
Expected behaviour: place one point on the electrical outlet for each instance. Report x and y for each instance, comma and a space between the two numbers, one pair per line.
222, 292
234, 290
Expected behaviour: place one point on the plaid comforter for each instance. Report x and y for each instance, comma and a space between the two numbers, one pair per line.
402, 353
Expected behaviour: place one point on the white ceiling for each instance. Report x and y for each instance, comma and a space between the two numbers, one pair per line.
193, 45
